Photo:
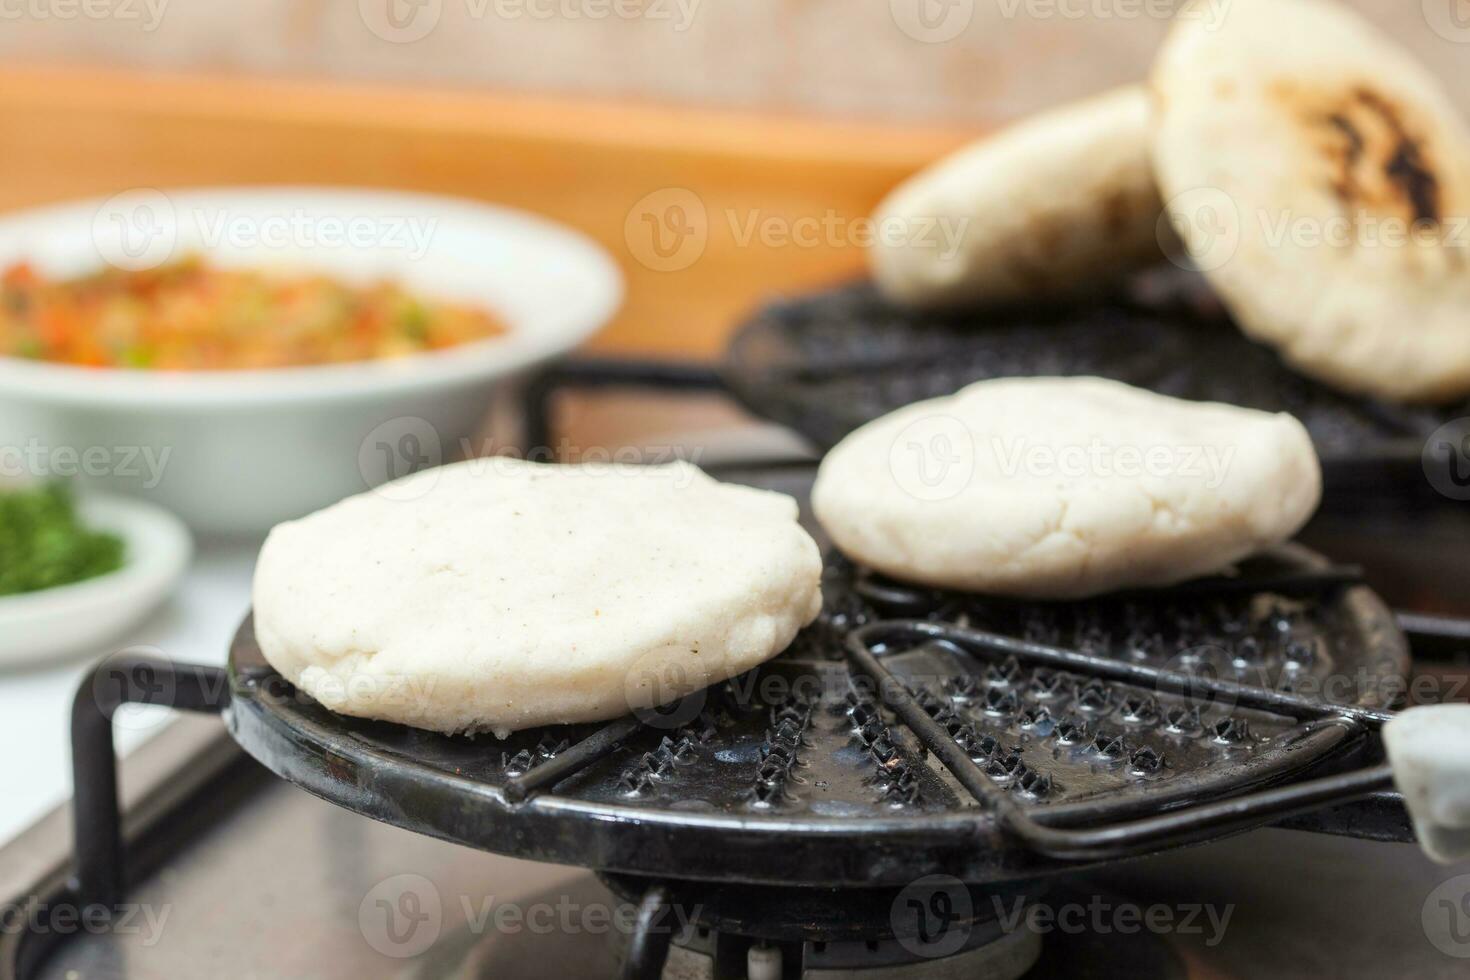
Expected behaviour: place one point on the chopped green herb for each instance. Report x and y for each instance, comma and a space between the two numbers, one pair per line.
413, 321
43, 544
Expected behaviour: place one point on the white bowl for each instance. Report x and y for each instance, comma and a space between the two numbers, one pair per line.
239, 451
86, 616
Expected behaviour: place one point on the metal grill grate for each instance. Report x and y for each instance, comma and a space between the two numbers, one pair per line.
827, 363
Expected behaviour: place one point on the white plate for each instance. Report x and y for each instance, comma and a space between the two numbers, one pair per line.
88, 616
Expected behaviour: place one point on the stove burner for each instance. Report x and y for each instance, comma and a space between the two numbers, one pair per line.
937, 929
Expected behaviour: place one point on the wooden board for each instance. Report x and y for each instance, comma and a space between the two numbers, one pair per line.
744, 206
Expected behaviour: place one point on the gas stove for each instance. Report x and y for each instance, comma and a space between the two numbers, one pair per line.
268, 881
925, 785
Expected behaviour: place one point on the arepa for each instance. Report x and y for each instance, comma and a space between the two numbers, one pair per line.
1324, 176
1063, 488
496, 595
1053, 205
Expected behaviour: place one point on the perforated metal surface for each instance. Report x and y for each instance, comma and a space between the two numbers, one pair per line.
825, 364
799, 772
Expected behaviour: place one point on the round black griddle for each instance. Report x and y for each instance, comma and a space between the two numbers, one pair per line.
826, 363
906, 732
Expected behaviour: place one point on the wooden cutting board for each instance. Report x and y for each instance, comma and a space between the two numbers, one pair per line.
709, 213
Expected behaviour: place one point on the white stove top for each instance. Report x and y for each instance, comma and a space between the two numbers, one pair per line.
35, 703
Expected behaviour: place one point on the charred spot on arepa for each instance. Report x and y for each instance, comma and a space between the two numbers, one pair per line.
1379, 156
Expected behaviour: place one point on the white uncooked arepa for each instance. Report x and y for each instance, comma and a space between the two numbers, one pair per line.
1052, 205
1062, 488
1321, 179
497, 595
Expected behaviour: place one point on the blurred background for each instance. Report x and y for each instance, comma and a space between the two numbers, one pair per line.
769, 110
966, 61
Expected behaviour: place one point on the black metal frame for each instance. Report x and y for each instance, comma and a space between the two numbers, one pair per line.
1172, 829
99, 879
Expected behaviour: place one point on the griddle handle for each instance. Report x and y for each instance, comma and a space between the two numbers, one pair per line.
97, 825
648, 947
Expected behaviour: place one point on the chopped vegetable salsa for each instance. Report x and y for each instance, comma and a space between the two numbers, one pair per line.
191, 316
